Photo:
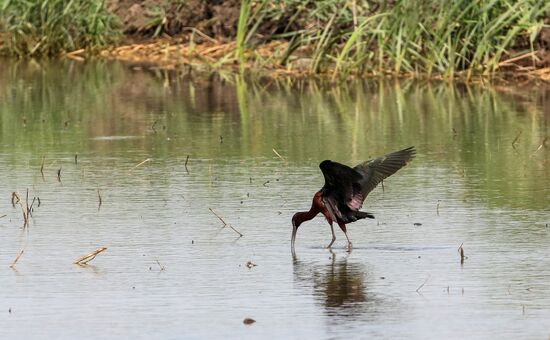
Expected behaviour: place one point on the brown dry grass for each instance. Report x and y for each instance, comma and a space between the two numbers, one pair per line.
211, 55
265, 59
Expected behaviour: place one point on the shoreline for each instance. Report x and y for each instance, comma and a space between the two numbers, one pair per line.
174, 53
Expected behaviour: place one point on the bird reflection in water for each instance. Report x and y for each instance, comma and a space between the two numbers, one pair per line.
339, 285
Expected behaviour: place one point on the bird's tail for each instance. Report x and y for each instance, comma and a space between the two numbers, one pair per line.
363, 214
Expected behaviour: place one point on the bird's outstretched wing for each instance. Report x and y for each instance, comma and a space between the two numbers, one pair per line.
375, 170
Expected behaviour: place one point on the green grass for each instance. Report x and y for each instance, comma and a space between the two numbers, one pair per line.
48, 27
241, 32
430, 37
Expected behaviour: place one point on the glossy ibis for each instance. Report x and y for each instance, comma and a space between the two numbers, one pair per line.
345, 189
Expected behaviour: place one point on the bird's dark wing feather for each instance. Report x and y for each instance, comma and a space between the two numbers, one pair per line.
375, 170
340, 181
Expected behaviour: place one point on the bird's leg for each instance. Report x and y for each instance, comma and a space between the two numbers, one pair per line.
333, 235
343, 227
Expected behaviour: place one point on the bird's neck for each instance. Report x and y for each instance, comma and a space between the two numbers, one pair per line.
304, 216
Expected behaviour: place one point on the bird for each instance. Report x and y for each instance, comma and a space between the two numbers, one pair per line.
346, 188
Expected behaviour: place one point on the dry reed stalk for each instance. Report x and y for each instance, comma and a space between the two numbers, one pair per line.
20, 203
279, 155
88, 257
461, 252
13, 197
17, 259
100, 200
186, 160
160, 265
77, 52
422, 285
516, 140
27, 201
202, 34
523, 56
75, 57
225, 224
145, 161
216, 48
42, 166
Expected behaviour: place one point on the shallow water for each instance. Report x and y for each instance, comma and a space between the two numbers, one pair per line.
172, 270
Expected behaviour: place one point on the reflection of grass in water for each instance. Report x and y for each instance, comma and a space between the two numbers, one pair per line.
467, 129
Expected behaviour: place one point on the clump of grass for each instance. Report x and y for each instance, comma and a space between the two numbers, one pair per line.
432, 37
49, 27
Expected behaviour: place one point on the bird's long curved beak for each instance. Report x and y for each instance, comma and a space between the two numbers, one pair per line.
293, 240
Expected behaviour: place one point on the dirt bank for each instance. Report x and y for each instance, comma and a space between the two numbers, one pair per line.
147, 18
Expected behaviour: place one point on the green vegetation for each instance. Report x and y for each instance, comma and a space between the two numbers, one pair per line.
429, 37
241, 27
48, 27
333, 37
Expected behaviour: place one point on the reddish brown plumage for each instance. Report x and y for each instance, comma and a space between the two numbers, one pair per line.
317, 206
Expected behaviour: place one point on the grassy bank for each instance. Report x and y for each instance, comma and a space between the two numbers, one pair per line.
50, 27
336, 38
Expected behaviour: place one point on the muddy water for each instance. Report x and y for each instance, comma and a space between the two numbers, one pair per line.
172, 270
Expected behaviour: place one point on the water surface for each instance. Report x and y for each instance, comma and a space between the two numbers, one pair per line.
162, 148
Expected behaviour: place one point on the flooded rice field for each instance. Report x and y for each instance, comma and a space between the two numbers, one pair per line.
153, 165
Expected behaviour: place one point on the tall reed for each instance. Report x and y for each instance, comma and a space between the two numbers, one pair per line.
241, 32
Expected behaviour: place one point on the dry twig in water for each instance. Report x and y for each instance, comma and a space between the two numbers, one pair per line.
422, 285
145, 161
19, 202
160, 265
516, 140
225, 224
542, 144
42, 167
17, 259
278, 155
185, 165
87, 258
461, 252
13, 197
100, 200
